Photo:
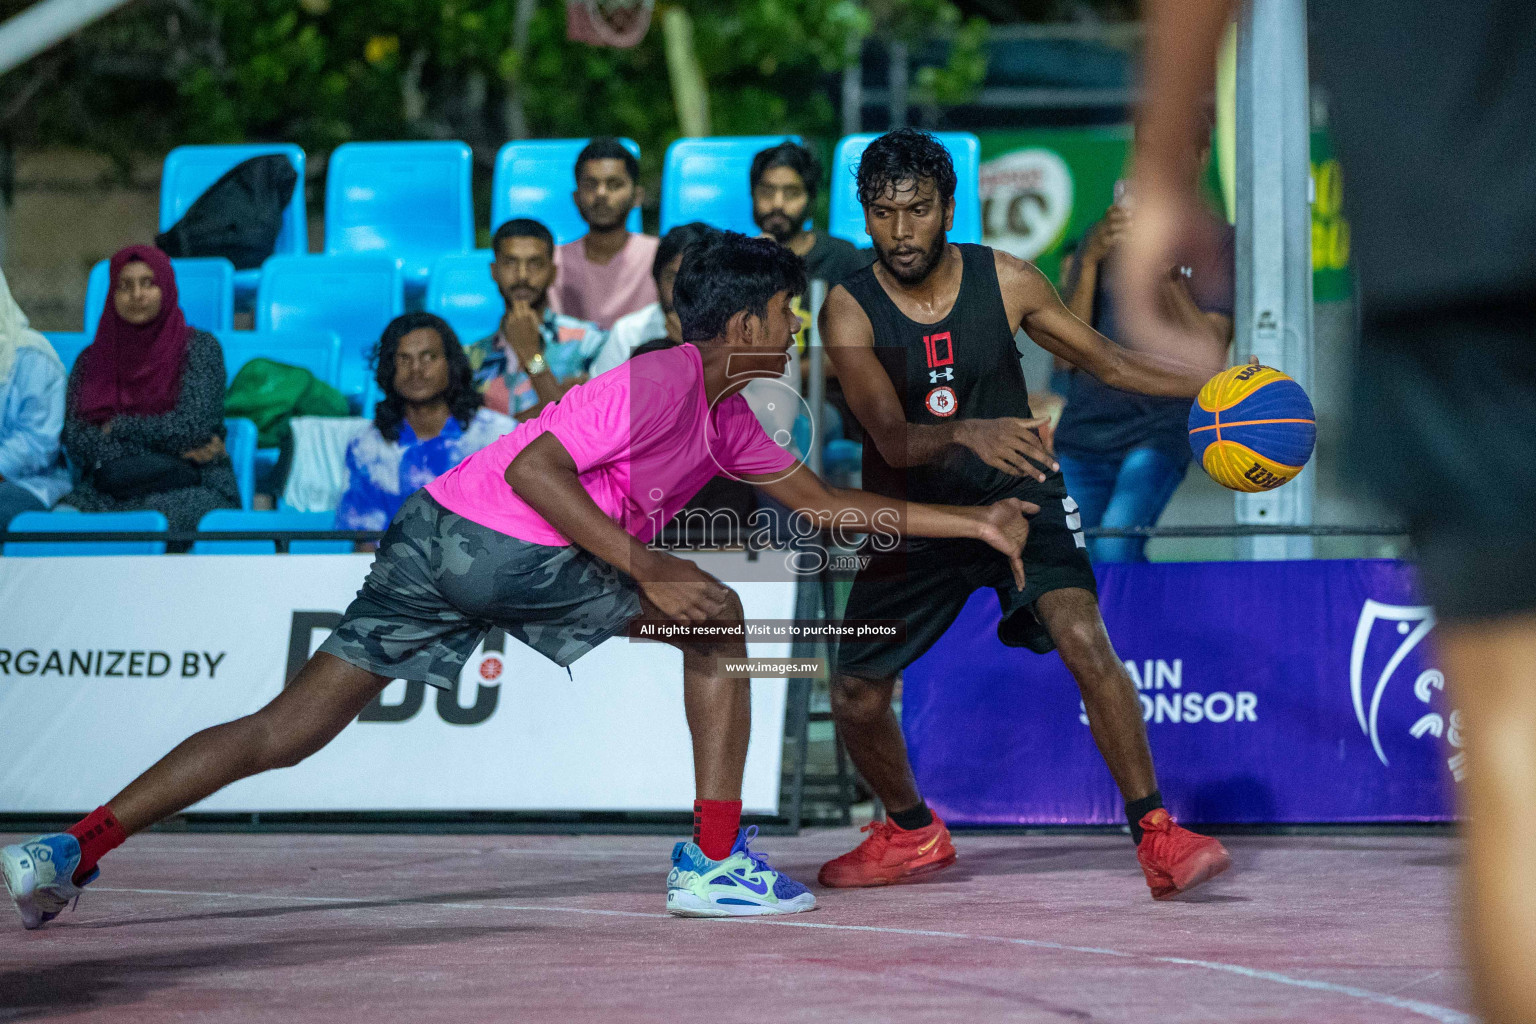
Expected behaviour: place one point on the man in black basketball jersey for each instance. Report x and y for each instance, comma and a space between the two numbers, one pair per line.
923, 341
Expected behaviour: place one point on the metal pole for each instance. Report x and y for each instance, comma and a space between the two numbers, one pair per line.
853, 86
1274, 237
43, 24
816, 387
897, 77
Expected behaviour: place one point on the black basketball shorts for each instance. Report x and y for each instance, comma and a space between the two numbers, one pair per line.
928, 585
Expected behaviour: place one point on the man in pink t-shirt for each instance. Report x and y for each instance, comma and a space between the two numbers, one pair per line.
606, 273
544, 535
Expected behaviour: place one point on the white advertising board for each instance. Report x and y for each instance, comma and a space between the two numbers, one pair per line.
106, 663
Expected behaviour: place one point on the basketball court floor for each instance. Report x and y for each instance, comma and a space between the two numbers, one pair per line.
287, 928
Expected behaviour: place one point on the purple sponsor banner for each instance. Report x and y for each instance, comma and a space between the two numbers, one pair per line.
1273, 691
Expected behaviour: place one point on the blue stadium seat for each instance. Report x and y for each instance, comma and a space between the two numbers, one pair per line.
69, 345
67, 521
319, 352
240, 440
847, 215
234, 519
708, 180
372, 396
461, 291
188, 172
535, 178
409, 200
354, 296
206, 286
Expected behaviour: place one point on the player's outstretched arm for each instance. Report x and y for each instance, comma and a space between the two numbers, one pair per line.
544, 475
1010, 444
1034, 305
1002, 525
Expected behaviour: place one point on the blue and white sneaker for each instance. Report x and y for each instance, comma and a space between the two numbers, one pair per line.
741, 885
40, 876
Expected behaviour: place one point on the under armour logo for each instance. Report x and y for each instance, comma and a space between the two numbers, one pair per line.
934, 376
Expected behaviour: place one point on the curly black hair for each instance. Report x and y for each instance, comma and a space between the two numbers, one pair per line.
901, 160
728, 273
463, 399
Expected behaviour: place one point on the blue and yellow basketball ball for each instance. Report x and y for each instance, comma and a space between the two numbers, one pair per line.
1252, 428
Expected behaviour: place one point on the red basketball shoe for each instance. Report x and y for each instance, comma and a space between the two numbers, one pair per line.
889, 855
1175, 859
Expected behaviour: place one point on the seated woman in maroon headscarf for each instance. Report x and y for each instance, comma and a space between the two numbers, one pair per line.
144, 420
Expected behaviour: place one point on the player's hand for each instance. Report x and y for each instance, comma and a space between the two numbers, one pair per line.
1011, 444
523, 328
1106, 234
683, 592
1004, 527
1167, 231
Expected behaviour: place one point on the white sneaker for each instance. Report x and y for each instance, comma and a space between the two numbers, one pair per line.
39, 874
741, 885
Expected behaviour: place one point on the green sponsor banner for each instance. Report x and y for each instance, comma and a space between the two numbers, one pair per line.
1332, 280
1041, 190
1044, 188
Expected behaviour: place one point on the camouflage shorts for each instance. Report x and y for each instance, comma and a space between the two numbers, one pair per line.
440, 581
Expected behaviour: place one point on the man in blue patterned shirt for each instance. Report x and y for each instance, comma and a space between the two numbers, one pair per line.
537, 353
429, 421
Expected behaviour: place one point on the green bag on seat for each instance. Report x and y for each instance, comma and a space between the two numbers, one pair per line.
270, 393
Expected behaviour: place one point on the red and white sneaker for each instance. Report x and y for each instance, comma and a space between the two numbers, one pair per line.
890, 855
1174, 859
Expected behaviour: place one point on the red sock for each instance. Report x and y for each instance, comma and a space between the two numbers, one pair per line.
715, 824
99, 834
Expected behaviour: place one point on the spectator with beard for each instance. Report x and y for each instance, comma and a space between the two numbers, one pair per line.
606, 273
536, 354
429, 421
784, 181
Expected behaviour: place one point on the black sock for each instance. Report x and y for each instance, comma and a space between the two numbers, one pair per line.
911, 819
1138, 809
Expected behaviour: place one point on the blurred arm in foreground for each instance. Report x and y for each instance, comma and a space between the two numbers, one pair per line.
1179, 68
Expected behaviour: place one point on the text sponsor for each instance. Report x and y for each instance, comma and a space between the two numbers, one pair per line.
1160, 686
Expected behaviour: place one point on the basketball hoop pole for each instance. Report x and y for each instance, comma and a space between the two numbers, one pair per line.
44, 24
1274, 238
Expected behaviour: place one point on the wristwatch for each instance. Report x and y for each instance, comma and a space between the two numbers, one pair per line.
537, 365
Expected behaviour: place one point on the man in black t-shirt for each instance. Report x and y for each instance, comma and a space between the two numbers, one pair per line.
785, 179
1433, 108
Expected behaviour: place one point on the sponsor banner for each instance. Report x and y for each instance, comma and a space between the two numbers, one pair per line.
1272, 692
108, 663
1042, 189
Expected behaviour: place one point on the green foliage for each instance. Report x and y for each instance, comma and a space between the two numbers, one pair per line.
322, 72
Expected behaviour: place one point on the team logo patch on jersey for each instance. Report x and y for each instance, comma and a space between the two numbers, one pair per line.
942, 402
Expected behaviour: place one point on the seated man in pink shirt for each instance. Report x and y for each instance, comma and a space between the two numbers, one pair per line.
605, 273
544, 534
